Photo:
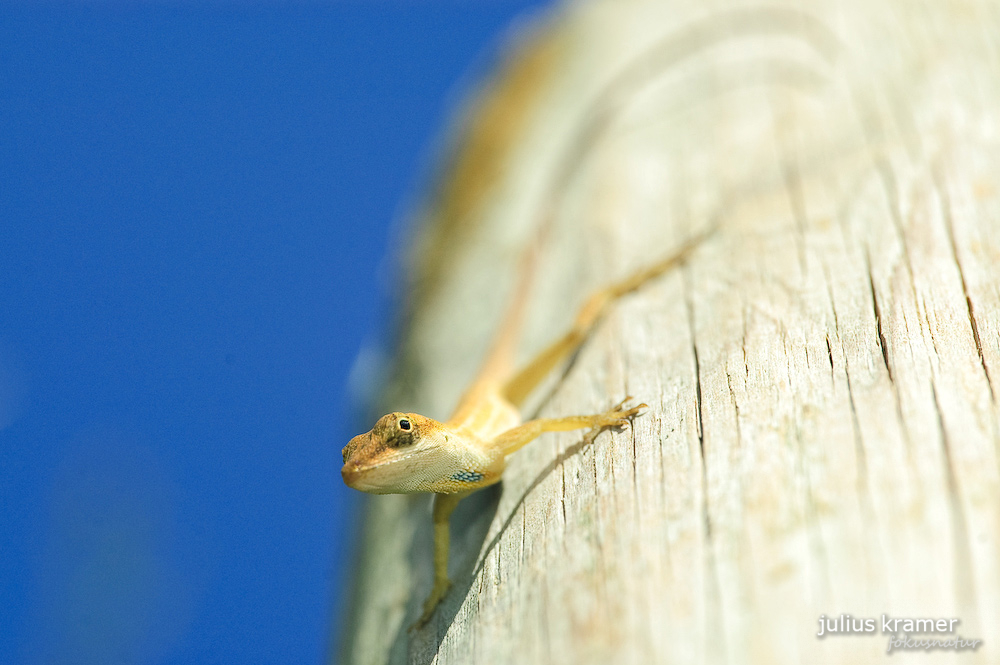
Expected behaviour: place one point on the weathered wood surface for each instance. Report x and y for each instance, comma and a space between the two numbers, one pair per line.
823, 376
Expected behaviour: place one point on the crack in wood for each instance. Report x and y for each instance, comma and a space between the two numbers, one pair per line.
715, 646
736, 409
829, 355
877, 309
949, 225
698, 404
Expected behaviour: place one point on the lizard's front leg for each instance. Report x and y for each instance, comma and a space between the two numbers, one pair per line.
517, 437
444, 505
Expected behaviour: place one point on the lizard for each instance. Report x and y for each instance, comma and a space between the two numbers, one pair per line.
407, 453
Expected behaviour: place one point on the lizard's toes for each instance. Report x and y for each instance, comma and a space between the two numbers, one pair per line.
621, 404
628, 414
620, 416
438, 593
636, 410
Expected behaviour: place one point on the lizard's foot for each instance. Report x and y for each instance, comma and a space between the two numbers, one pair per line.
619, 415
438, 593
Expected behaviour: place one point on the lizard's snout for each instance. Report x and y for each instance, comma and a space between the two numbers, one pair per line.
350, 474
351, 471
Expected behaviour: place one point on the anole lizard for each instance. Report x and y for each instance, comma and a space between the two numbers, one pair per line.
405, 453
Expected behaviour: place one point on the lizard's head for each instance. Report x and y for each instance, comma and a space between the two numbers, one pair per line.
384, 459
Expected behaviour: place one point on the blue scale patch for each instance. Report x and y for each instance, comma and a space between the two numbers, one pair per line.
467, 476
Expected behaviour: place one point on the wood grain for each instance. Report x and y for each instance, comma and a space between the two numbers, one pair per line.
823, 375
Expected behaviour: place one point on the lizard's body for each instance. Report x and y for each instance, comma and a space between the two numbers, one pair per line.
406, 453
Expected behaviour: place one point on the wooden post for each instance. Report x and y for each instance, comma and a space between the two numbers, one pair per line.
823, 375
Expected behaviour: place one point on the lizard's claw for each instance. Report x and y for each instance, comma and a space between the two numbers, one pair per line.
619, 416
621, 405
438, 593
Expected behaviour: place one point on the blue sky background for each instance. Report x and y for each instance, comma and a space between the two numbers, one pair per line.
195, 208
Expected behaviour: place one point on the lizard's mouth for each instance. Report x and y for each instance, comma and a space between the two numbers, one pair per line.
355, 477
393, 472
350, 475
360, 478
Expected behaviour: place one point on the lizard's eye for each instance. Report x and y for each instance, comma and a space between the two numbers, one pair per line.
404, 424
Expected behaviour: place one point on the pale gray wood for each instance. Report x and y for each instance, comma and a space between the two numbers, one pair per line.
822, 376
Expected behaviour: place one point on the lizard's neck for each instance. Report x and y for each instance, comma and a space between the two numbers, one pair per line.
484, 412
